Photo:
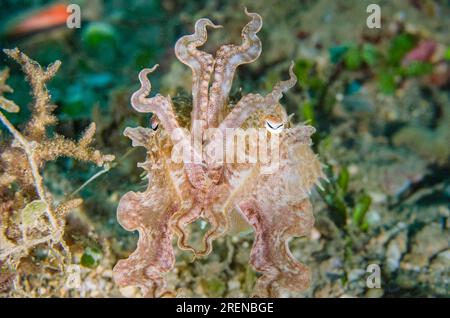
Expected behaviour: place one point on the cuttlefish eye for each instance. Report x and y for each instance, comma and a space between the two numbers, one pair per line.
274, 125
154, 123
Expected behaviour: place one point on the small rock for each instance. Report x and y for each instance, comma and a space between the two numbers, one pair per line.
129, 291
395, 249
427, 243
373, 218
378, 197
315, 234
356, 274
441, 262
234, 284
108, 273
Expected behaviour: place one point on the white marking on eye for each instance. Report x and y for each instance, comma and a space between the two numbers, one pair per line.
274, 128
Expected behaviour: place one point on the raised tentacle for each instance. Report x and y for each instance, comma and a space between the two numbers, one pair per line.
252, 102
202, 65
228, 58
159, 105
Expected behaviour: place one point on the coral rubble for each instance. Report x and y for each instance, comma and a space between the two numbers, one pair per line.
30, 217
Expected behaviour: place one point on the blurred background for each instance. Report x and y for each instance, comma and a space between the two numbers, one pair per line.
379, 99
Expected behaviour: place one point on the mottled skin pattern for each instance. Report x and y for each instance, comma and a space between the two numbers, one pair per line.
275, 205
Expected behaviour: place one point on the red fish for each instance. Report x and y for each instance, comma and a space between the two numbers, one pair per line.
42, 19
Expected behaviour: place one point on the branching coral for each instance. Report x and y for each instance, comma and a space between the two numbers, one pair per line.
219, 191
29, 216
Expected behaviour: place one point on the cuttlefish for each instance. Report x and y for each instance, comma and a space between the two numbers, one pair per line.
228, 194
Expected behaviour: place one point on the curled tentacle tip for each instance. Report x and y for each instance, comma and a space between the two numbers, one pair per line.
253, 15
143, 76
292, 77
248, 13
150, 70
256, 23
214, 26
291, 70
204, 22
291, 66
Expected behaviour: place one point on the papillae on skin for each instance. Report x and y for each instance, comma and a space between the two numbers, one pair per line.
230, 196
